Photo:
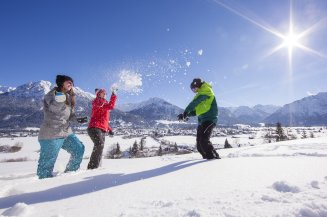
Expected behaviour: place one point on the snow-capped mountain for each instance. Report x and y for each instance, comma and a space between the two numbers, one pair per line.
247, 115
156, 109
252, 115
127, 107
23, 106
32, 89
4, 89
268, 109
311, 110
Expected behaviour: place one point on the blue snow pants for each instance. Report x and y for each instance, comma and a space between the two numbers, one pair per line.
49, 152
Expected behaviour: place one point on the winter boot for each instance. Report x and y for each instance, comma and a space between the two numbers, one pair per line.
215, 154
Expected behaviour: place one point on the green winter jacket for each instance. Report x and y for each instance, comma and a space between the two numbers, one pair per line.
203, 105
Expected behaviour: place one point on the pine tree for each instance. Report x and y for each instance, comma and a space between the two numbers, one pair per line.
118, 152
130, 152
135, 148
227, 145
142, 144
304, 134
113, 152
175, 147
312, 135
280, 133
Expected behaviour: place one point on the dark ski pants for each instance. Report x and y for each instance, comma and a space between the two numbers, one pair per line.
49, 153
203, 143
98, 137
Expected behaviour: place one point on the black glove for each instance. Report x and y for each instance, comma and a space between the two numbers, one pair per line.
182, 117
81, 120
111, 133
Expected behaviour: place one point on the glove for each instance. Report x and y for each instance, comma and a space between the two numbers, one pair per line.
182, 117
81, 120
114, 90
111, 133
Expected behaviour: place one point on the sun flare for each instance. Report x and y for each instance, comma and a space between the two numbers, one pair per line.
291, 40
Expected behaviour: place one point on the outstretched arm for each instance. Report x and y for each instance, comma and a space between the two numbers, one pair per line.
111, 104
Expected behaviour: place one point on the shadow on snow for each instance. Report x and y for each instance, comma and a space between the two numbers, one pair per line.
91, 184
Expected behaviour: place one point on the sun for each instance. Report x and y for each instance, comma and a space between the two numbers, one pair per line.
291, 40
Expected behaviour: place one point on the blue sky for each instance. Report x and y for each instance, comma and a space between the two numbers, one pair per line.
167, 43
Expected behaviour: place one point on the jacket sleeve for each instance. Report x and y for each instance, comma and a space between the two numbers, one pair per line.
48, 102
190, 109
111, 104
72, 116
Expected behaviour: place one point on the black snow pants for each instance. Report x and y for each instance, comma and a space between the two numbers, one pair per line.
98, 137
203, 143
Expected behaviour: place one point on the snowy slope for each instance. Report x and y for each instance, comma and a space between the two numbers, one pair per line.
277, 179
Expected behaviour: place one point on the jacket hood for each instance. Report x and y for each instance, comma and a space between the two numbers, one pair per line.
205, 89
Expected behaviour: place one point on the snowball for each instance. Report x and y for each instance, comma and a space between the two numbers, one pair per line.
129, 81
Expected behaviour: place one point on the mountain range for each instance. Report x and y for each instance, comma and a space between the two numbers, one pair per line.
22, 107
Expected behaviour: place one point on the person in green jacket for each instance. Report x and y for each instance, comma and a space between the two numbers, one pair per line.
204, 106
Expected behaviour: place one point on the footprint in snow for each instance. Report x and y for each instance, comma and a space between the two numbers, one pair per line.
284, 187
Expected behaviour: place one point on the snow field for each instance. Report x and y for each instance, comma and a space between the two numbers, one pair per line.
278, 179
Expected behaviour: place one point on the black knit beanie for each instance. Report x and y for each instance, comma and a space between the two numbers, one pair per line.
196, 83
60, 79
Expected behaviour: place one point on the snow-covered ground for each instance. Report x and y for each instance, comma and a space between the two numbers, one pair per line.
277, 179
